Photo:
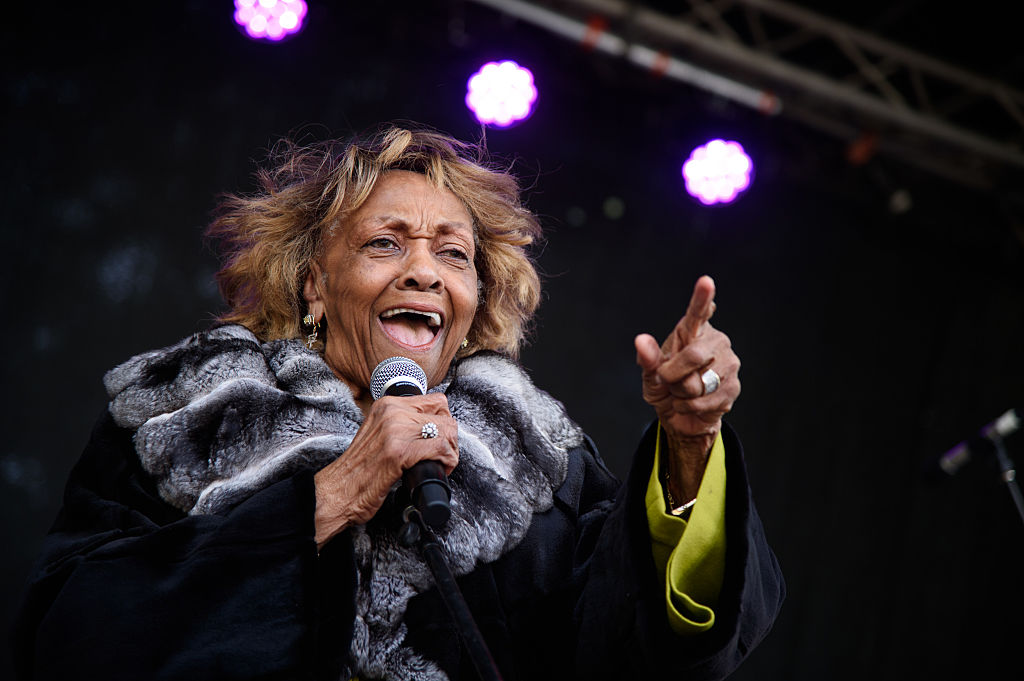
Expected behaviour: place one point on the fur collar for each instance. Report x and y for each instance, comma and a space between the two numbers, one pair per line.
219, 416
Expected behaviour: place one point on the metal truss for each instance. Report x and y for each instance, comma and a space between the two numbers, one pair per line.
777, 57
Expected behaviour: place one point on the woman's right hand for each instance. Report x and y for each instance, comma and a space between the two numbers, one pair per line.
351, 489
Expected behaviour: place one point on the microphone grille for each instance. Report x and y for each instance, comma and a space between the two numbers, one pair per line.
396, 370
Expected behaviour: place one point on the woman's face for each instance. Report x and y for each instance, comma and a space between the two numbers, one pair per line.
400, 280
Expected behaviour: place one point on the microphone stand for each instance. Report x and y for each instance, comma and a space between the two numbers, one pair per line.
1009, 475
416, 531
991, 435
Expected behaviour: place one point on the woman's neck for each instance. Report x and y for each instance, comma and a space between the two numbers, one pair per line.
360, 394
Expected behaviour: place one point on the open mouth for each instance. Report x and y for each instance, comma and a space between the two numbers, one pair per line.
411, 328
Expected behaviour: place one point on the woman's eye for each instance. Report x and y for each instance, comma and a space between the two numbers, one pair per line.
382, 242
455, 253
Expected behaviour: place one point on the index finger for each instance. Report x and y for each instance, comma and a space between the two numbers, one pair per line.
701, 307
435, 403
430, 403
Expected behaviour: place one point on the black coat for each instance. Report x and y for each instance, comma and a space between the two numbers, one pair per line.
130, 588
145, 576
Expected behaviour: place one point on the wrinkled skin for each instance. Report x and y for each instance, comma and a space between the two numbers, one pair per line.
671, 378
409, 246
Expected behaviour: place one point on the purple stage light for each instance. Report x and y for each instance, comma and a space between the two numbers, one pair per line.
270, 19
501, 93
717, 172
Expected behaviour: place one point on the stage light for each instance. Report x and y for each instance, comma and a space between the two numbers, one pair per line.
501, 93
270, 19
717, 172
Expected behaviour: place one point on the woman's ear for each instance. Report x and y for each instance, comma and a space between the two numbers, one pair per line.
312, 291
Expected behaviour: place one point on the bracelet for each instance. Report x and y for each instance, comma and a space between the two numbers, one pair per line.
682, 511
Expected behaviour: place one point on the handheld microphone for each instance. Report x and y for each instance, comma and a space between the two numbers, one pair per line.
426, 481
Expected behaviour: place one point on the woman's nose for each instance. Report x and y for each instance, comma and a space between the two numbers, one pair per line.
421, 271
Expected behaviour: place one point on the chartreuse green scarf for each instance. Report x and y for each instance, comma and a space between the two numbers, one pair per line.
690, 555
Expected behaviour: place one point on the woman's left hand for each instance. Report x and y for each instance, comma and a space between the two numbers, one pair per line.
672, 384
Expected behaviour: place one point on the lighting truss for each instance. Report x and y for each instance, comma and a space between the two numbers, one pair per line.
844, 81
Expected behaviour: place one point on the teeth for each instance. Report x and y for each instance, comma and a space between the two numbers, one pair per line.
433, 318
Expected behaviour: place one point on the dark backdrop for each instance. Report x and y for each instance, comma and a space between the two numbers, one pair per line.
871, 340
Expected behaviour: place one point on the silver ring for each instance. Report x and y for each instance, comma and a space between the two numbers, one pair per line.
429, 430
711, 381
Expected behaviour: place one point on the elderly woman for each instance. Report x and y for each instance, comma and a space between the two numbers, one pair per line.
235, 514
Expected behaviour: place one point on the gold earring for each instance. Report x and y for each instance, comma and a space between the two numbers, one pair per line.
310, 320
465, 343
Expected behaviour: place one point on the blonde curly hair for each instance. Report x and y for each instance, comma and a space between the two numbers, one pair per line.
268, 239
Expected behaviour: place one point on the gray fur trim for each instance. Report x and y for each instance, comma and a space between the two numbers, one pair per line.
219, 416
